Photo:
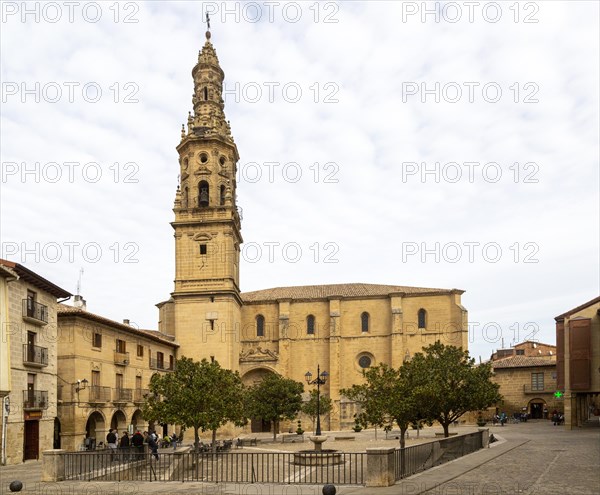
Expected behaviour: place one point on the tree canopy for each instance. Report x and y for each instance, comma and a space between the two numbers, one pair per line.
439, 384
386, 397
447, 383
274, 399
198, 395
310, 407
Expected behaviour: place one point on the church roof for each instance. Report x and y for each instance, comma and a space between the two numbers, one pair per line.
333, 291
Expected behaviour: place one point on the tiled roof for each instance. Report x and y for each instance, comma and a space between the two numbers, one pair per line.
577, 309
33, 278
524, 362
64, 310
339, 290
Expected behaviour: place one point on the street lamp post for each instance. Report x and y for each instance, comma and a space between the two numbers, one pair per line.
320, 380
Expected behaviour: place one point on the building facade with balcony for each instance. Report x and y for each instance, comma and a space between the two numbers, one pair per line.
528, 383
28, 362
578, 363
104, 368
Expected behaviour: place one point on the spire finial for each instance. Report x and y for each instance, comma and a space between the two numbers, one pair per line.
207, 27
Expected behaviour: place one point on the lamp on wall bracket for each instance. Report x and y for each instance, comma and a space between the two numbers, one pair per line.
80, 385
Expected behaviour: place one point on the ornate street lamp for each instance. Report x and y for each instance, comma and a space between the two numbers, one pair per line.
320, 380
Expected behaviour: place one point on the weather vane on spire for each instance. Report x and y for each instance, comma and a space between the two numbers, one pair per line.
207, 26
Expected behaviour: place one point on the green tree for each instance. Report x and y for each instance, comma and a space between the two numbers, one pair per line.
274, 399
386, 397
310, 407
198, 395
447, 383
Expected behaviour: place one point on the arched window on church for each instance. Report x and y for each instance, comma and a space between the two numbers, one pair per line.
205, 93
260, 326
310, 325
364, 322
422, 318
203, 193
185, 197
222, 201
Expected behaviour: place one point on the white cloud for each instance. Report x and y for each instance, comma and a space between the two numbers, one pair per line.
371, 209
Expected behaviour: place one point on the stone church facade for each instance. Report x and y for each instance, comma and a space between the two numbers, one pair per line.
344, 328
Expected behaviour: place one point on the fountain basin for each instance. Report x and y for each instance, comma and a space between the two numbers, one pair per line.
324, 457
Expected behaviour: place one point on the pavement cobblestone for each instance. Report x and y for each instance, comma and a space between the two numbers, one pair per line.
533, 458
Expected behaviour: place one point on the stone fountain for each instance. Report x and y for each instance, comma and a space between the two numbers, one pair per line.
318, 456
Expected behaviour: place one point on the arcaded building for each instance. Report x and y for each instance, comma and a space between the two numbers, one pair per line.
104, 370
344, 328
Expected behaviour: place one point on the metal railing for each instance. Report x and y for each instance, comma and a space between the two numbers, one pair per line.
122, 395
35, 355
157, 364
99, 394
35, 399
35, 310
122, 358
220, 467
140, 394
417, 458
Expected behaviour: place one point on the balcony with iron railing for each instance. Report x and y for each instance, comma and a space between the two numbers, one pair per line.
140, 394
160, 364
122, 358
544, 389
34, 355
98, 394
35, 399
122, 395
34, 312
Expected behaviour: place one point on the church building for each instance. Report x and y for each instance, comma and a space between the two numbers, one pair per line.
343, 328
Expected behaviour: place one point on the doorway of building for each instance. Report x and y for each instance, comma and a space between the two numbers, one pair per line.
32, 440
536, 410
56, 442
259, 425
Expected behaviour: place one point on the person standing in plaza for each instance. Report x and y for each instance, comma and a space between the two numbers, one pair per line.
124, 445
153, 446
137, 440
111, 442
503, 418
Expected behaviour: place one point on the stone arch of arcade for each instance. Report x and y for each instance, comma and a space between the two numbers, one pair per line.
252, 376
95, 428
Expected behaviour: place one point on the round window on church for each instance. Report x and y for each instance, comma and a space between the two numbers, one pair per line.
222, 160
203, 157
364, 362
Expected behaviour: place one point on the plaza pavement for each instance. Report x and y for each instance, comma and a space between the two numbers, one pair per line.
533, 458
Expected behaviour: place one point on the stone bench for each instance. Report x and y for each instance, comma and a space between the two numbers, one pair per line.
341, 438
245, 442
291, 438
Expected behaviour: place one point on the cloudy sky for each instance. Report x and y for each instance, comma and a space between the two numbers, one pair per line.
431, 144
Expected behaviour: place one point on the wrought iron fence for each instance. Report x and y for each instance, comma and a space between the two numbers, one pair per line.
417, 458
224, 467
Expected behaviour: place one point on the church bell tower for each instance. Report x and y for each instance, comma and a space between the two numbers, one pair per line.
207, 302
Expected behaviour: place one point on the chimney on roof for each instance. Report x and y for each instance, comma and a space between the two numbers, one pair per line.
79, 302
125, 321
